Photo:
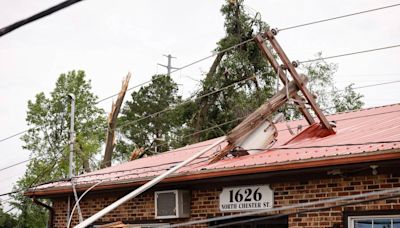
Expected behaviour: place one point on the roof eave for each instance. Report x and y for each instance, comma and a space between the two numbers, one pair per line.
383, 155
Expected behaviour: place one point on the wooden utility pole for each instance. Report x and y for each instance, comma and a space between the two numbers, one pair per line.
112, 123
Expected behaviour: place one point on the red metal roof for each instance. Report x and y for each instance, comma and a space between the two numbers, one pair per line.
358, 133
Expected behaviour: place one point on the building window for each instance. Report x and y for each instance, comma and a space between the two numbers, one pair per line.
372, 221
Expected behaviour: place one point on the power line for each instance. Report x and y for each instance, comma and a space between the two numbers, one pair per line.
173, 163
337, 120
306, 211
14, 135
222, 124
339, 17
249, 78
239, 44
352, 53
378, 84
185, 102
183, 67
13, 165
144, 83
37, 16
41, 174
239, 118
271, 149
289, 207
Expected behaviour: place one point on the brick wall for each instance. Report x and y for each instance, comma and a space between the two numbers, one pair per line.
205, 202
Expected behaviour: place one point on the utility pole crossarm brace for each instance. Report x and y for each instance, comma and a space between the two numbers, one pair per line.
270, 57
290, 67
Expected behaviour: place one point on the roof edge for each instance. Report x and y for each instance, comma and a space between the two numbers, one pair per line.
383, 155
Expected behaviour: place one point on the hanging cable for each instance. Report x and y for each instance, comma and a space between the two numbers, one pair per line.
339, 17
352, 53
355, 202
37, 16
293, 206
305, 61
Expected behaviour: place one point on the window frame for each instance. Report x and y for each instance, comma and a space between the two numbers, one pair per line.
350, 217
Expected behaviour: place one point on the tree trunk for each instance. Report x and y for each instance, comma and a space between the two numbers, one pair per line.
200, 117
112, 123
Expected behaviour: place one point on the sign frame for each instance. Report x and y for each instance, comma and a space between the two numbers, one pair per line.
246, 198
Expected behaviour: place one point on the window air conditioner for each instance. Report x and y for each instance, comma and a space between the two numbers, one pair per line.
172, 204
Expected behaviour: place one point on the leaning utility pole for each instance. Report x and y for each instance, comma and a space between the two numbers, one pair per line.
169, 67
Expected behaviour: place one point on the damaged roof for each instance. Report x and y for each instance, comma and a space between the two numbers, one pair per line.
366, 135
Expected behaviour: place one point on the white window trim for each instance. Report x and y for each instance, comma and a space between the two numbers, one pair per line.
351, 219
176, 205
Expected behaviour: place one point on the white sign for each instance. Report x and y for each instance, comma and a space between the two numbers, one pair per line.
246, 198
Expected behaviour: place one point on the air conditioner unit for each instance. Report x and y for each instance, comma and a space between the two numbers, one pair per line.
172, 204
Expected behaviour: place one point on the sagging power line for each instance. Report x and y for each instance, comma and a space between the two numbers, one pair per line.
37, 16
339, 17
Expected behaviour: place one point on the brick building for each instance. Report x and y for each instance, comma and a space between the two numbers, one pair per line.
363, 156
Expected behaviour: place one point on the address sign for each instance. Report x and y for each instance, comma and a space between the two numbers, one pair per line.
245, 198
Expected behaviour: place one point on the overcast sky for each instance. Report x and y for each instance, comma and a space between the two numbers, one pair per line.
109, 38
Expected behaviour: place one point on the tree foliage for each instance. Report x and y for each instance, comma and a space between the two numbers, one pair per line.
238, 82
6, 219
347, 99
157, 132
48, 137
233, 66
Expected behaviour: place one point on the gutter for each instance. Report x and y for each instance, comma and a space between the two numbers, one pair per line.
50, 222
391, 154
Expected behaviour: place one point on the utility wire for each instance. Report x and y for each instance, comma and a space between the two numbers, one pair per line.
185, 102
173, 163
351, 53
14, 135
378, 84
183, 67
239, 118
246, 79
339, 17
40, 175
144, 83
228, 122
37, 16
288, 207
13, 165
306, 211
230, 48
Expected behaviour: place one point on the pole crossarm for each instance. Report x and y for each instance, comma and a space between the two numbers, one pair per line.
270, 36
270, 57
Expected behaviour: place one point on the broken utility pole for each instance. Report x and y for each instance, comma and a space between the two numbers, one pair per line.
112, 123
252, 121
290, 66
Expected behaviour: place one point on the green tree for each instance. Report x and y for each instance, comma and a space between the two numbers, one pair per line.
321, 84
48, 137
347, 99
156, 133
245, 61
238, 82
230, 67
6, 219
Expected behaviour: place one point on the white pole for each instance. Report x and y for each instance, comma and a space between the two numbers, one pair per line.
144, 187
72, 137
